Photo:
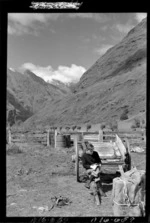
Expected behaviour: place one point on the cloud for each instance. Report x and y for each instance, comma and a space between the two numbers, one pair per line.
17, 29
100, 51
140, 16
12, 69
104, 28
99, 17
124, 28
87, 40
63, 73
27, 19
11, 30
28, 23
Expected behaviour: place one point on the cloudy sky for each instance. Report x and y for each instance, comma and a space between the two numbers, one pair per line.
63, 46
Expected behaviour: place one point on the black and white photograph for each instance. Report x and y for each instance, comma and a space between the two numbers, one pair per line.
76, 113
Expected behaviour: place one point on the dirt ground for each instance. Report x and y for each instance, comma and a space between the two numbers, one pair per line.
38, 174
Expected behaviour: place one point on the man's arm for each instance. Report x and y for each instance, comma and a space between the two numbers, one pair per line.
84, 162
97, 158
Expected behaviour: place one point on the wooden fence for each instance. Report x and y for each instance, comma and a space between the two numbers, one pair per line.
45, 137
50, 138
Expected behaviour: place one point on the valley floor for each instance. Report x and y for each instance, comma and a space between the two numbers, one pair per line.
39, 173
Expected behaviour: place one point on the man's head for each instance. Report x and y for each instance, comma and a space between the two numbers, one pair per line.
89, 147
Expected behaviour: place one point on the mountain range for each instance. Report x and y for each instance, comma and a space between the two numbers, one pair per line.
114, 83
28, 93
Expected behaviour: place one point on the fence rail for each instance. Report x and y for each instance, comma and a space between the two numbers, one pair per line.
48, 137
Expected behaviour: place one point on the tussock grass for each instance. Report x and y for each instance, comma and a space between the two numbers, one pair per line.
13, 149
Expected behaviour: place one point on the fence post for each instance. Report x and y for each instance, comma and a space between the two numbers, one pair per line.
144, 135
77, 158
82, 136
9, 137
100, 137
48, 137
55, 139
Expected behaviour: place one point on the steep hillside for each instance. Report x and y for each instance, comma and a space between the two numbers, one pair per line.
28, 93
64, 87
119, 59
117, 81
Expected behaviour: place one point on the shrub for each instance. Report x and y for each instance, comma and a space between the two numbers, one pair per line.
67, 128
18, 123
136, 123
78, 127
88, 127
133, 126
53, 128
143, 123
13, 149
103, 126
73, 127
124, 115
113, 125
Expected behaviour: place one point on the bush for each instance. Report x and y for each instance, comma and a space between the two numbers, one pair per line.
13, 149
73, 127
143, 123
133, 127
67, 128
124, 115
103, 126
78, 127
88, 127
136, 123
18, 123
113, 125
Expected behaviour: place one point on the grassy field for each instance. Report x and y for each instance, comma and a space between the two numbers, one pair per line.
35, 174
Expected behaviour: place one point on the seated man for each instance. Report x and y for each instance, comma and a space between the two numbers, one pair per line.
89, 158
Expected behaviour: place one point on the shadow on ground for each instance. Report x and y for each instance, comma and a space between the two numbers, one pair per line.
106, 179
